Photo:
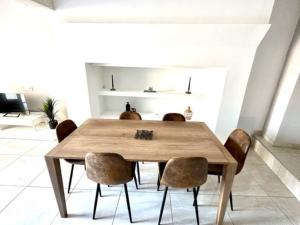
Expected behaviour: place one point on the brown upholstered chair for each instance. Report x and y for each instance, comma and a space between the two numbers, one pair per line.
168, 117
133, 116
189, 172
109, 169
130, 116
173, 117
238, 144
63, 130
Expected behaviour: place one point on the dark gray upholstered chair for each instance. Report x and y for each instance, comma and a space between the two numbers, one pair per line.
109, 169
63, 130
184, 172
168, 117
133, 116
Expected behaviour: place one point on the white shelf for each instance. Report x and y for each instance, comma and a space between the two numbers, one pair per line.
145, 115
142, 94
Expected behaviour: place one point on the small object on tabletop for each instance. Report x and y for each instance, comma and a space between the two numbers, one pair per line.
144, 134
189, 87
112, 83
127, 107
150, 89
188, 113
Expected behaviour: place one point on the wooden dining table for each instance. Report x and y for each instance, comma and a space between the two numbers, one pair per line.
170, 139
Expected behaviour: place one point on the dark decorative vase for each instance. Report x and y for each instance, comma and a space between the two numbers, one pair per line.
53, 124
127, 107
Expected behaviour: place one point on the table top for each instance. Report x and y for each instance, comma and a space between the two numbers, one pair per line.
170, 139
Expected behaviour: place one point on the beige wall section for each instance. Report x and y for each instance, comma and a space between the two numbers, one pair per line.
267, 66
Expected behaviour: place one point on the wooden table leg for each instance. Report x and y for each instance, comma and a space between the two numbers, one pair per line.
54, 170
226, 184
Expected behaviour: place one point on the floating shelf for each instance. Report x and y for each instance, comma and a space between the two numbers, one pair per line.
142, 94
145, 115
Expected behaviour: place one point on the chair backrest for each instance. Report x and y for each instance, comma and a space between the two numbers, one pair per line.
173, 117
184, 172
130, 116
238, 144
108, 168
64, 129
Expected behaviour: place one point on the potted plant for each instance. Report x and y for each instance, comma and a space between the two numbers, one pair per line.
48, 109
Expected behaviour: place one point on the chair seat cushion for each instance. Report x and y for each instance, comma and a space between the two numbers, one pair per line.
215, 169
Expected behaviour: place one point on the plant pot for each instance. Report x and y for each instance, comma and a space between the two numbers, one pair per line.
53, 124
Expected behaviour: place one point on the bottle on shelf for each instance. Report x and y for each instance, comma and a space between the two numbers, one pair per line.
188, 113
127, 107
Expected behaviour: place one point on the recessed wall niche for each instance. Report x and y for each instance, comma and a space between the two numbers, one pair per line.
170, 84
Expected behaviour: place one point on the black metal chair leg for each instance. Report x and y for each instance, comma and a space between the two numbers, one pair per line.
135, 182
219, 179
158, 182
138, 172
231, 203
96, 200
162, 205
100, 191
70, 179
197, 192
196, 205
128, 203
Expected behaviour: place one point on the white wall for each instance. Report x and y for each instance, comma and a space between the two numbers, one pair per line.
29, 44
27, 52
267, 66
280, 109
167, 11
156, 45
289, 131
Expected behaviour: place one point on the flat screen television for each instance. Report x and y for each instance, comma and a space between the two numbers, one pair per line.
12, 104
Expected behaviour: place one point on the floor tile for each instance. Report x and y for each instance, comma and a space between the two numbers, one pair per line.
7, 194
245, 184
43, 180
42, 148
269, 182
86, 184
290, 207
256, 210
184, 212
17, 147
291, 162
6, 160
80, 208
22, 171
34, 206
3, 141
145, 208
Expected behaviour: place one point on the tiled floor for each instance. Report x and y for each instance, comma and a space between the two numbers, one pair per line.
284, 162
289, 157
26, 197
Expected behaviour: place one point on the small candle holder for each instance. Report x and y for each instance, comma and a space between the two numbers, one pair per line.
189, 87
112, 83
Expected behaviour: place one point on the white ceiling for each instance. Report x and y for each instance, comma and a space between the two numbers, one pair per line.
167, 11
